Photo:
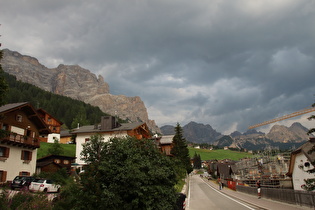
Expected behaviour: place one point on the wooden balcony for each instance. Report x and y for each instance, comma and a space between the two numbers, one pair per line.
21, 140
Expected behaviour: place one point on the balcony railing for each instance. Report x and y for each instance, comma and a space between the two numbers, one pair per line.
21, 140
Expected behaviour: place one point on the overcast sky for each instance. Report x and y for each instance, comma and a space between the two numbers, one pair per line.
229, 64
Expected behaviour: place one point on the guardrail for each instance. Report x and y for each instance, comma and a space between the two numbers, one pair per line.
297, 197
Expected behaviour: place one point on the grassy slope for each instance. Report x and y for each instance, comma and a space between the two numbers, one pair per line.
220, 154
69, 149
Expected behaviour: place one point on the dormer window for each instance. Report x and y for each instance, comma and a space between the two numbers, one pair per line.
19, 118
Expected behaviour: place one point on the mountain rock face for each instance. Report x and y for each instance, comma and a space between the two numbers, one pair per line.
281, 137
194, 132
77, 83
295, 133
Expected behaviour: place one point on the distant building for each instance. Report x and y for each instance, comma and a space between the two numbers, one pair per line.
166, 144
108, 128
53, 124
53, 163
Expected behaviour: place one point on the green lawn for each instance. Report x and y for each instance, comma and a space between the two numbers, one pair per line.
69, 149
220, 154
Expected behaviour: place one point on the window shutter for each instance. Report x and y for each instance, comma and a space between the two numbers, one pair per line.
4, 176
30, 154
7, 152
22, 155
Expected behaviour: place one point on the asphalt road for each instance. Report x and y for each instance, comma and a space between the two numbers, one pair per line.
205, 194
202, 196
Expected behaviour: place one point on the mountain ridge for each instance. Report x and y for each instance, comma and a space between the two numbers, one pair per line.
278, 136
78, 83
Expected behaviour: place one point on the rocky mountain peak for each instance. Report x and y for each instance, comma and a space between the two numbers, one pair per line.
77, 83
280, 133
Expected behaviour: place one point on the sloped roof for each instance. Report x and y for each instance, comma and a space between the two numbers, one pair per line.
45, 112
29, 110
10, 107
308, 149
166, 139
65, 133
96, 129
51, 157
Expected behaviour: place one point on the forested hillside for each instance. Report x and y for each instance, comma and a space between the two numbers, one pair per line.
67, 110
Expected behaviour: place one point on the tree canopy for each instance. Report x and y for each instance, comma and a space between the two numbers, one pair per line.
125, 173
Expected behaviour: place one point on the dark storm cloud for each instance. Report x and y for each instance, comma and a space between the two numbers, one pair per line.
229, 64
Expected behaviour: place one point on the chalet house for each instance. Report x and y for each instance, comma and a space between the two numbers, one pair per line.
302, 160
225, 170
53, 124
109, 128
20, 127
52, 163
164, 143
65, 137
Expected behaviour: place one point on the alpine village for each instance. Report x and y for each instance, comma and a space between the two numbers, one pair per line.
90, 149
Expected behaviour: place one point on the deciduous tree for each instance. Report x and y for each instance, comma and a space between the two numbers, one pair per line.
126, 173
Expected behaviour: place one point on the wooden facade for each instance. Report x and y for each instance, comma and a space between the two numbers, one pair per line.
140, 132
21, 128
22, 125
53, 163
53, 124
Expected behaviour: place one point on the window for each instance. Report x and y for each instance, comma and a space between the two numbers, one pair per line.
87, 139
24, 173
57, 161
4, 127
66, 162
4, 152
19, 118
26, 155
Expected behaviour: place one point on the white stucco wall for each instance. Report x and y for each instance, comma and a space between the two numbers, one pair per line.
51, 136
298, 174
80, 140
14, 165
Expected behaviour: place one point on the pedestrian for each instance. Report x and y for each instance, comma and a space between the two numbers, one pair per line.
258, 188
220, 184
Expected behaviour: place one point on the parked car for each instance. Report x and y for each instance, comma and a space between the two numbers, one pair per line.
21, 182
44, 185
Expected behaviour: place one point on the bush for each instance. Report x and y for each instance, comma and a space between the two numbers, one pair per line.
24, 200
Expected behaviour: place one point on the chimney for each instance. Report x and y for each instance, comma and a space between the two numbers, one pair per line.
108, 122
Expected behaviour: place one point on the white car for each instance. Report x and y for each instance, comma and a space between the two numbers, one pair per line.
44, 185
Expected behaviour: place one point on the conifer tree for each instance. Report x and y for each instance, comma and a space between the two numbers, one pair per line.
197, 161
3, 83
180, 150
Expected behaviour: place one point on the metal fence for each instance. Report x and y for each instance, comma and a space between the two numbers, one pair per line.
302, 198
